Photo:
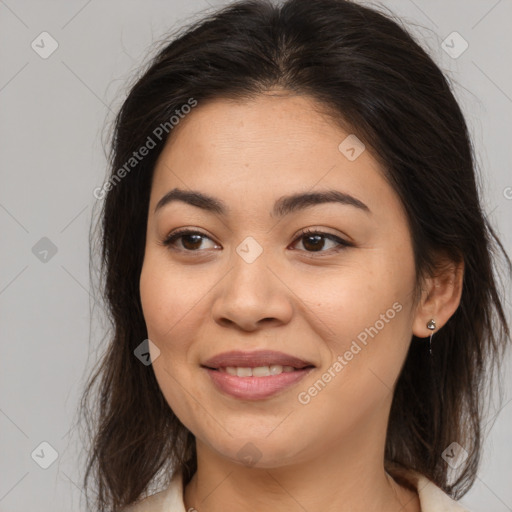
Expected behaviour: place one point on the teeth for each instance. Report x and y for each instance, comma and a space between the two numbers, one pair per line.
276, 369
243, 372
259, 371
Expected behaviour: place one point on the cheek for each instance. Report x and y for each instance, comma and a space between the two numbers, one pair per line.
366, 329
167, 301
167, 297
363, 314
354, 296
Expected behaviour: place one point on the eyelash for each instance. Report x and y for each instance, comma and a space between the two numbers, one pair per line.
342, 244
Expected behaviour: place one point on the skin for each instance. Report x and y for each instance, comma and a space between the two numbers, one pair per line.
327, 454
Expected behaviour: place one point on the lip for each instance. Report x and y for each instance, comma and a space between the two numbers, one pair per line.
254, 359
255, 388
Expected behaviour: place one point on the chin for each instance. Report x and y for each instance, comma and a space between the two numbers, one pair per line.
262, 453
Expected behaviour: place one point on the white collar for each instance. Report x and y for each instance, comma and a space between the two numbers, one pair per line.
432, 498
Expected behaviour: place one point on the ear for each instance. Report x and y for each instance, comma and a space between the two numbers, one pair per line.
440, 297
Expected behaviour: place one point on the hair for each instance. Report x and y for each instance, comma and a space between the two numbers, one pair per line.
376, 81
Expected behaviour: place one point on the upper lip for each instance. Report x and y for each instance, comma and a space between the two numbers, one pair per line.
254, 359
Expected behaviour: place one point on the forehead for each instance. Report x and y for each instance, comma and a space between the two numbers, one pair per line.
275, 119
271, 145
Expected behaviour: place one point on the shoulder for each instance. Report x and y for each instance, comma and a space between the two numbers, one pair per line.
432, 498
168, 500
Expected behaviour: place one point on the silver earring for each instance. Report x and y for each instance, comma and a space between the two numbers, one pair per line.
431, 325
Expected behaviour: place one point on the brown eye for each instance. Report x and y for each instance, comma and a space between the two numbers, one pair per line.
315, 241
190, 240
312, 241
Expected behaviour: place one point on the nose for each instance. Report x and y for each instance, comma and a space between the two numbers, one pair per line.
252, 295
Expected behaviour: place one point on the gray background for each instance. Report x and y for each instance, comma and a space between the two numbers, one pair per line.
53, 113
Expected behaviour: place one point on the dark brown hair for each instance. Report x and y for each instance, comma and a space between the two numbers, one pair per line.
372, 77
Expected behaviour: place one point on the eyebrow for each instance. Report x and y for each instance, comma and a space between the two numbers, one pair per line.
283, 206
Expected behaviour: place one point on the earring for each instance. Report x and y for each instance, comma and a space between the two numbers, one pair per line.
431, 325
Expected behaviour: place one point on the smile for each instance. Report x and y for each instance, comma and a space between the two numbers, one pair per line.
259, 371
245, 385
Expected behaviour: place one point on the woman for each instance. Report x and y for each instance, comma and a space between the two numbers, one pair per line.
298, 270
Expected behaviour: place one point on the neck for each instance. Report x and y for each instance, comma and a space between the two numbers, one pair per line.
348, 479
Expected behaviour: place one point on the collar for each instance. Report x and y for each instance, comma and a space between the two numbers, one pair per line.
432, 498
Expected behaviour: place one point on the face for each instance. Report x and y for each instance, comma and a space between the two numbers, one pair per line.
339, 299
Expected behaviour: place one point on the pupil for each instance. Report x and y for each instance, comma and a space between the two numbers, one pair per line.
197, 239
197, 243
316, 245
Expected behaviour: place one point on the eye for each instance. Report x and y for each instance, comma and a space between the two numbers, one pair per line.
314, 241
190, 240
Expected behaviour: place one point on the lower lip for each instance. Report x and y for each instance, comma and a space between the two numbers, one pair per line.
255, 388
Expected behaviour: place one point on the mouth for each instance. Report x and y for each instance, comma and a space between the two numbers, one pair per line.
255, 375
258, 371
259, 360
